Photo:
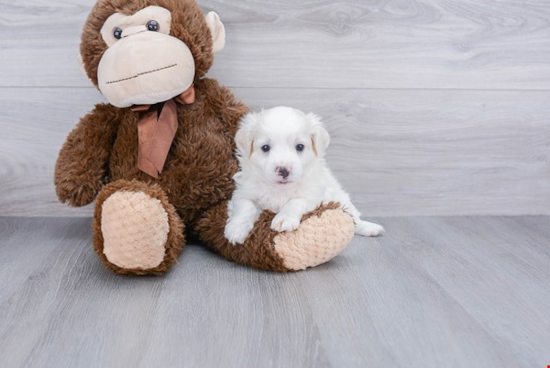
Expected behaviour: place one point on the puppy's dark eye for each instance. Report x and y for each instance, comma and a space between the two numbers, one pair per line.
153, 25
117, 33
266, 148
300, 147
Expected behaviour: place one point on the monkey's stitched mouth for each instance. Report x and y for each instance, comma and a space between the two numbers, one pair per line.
143, 73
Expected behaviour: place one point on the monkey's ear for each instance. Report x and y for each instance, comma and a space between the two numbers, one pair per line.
217, 29
244, 139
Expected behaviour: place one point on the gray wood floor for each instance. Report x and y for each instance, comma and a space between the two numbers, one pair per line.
433, 292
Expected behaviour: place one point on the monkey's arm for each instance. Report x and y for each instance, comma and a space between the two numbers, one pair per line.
81, 166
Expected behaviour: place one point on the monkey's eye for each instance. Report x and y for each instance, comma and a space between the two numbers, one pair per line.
266, 148
300, 147
117, 32
153, 25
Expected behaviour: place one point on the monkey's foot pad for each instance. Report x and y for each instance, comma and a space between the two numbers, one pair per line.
135, 230
320, 237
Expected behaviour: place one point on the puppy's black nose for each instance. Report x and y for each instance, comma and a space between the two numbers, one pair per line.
283, 171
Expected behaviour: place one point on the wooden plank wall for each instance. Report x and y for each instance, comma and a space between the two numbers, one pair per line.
436, 107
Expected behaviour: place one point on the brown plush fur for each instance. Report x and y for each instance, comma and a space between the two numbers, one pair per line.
258, 251
196, 181
79, 172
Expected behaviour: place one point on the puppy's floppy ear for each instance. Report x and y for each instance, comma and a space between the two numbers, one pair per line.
320, 138
244, 139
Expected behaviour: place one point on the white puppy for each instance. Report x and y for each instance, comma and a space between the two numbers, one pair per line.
280, 151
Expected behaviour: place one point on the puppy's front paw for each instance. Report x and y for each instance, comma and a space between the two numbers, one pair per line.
366, 228
236, 232
285, 222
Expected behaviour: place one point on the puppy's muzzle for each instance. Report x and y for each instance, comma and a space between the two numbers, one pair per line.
283, 171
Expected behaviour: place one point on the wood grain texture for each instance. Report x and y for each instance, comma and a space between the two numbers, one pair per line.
397, 152
435, 107
433, 292
446, 44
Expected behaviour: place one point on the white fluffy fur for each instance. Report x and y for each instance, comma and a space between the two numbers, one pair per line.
284, 179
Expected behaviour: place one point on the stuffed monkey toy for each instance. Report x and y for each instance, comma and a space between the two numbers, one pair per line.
158, 159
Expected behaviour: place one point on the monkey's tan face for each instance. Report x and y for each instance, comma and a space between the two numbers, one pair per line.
144, 64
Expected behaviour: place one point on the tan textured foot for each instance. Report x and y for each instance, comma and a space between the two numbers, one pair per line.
135, 230
318, 239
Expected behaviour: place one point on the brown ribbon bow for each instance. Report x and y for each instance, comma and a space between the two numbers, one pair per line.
157, 127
